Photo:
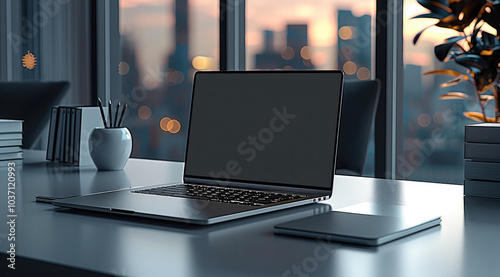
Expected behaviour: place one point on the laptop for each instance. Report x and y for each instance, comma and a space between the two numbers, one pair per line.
258, 141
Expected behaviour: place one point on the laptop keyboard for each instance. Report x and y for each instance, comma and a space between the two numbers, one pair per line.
222, 194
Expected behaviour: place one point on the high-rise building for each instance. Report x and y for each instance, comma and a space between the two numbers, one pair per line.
296, 53
354, 45
128, 68
268, 58
179, 59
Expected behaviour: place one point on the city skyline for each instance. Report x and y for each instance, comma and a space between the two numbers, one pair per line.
167, 100
150, 24
268, 46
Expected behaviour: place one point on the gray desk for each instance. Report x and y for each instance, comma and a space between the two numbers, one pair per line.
466, 244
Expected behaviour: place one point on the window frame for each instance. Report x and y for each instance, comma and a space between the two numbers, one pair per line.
389, 70
232, 34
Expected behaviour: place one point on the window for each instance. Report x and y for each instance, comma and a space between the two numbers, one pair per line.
433, 129
145, 52
316, 34
163, 42
58, 35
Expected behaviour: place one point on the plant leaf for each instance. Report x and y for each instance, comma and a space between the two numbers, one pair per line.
454, 95
417, 36
440, 4
479, 117
487, 87
448, 72
486, 52
442, 50
449, 22
436, 6
455, 81
486, 98
471, 60
428, 15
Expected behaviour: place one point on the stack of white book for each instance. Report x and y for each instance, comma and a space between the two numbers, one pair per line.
11, 142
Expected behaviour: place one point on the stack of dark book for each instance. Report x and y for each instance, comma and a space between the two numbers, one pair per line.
69, 133
482, 160
11, 142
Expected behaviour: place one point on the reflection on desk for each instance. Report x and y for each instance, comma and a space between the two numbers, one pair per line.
73, 181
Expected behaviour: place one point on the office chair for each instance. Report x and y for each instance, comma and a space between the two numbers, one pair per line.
359, 105
32, 102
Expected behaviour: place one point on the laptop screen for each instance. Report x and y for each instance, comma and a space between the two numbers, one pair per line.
271, 127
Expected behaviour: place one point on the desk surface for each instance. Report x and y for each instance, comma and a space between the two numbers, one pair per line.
466, 244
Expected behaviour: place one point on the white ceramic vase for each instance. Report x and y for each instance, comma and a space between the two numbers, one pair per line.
110, 148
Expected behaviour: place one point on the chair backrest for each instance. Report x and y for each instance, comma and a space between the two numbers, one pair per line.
359, 105
32, 102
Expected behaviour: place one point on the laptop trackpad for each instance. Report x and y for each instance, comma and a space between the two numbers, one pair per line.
356, 228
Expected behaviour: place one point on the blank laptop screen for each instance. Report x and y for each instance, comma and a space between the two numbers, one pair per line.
272, 127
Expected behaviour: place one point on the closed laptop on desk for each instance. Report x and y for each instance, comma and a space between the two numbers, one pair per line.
258, 141
363, 229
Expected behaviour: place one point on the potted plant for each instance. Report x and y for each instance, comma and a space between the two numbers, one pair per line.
476, 47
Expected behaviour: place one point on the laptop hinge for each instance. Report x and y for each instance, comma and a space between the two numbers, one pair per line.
309, 191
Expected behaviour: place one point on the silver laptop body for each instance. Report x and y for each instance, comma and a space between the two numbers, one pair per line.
271, 131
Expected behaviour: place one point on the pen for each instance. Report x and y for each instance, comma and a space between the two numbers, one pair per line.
102, 112
122, 115
110, 115
116, 114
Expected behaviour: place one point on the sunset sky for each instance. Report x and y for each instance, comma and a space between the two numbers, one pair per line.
149, 24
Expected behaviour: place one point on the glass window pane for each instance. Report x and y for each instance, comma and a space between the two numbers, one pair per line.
315, 34
163, 43
433, 129
320, 34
